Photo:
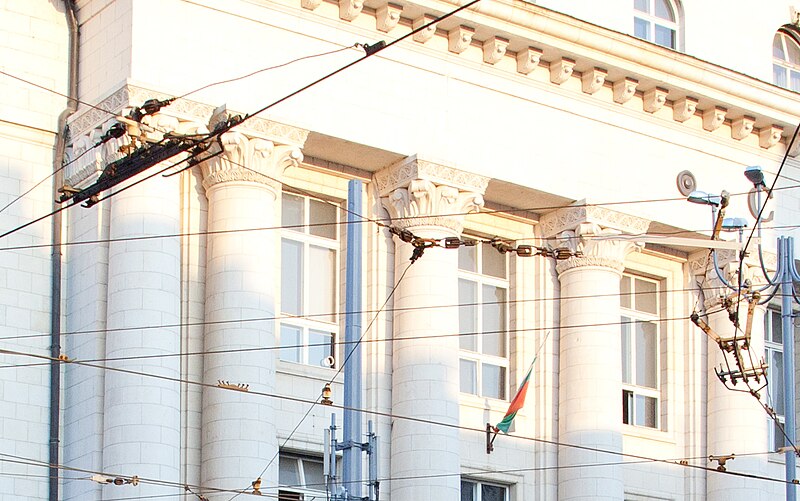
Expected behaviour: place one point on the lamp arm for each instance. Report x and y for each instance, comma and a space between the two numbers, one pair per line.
719, 273
768, 298
775, 278
790, 260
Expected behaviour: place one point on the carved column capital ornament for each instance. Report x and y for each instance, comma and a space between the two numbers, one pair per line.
257, 152
418, 193
701, 267
597, 247
590, 229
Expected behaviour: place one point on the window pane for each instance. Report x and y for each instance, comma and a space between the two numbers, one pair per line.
494, 320
641, 5
287, 471
468, 258
777, 328
776, 381
646, 411
322, 290
794, 81
492, 493
664, 10
493, 381
626, 350
291, 277
320, 346
469, 376
646, 297
777, 47
646, 354
312, 471
641, 28
665, 36
778, 439
792, 51
625, 292
292, 211
779, 76
468, 315
291, 341
627, 406
324, 215
494, 263
468, 491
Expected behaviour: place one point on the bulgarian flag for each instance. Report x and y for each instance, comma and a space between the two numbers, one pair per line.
519, 398
516, 404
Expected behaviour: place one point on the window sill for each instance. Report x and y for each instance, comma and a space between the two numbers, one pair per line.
323, 374
633, 431
478, 402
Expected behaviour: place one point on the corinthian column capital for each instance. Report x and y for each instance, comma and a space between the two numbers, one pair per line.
590, 230
418, 193
727, 261
257, 152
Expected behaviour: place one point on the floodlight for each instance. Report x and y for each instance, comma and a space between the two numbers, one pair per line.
755, 175
703, 198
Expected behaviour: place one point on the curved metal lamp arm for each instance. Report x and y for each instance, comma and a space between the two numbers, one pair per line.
719, 273
771, 295
790, 259
775, 280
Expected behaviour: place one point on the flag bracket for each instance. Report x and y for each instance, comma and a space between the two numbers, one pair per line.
491, 434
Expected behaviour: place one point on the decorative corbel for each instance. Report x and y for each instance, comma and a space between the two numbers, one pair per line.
310, 4
742, 127
528, 60
770, 136
387, 16
713, 118
593, 80
683, 109
494, 49
350, 9
625, 89
426, 34
654, 99
459, 38
561, 70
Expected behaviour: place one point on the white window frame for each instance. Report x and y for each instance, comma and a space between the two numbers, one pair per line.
784, 65
315, 491
652, 21
478, 357
304, 322
630, 315
477, 492
771, 347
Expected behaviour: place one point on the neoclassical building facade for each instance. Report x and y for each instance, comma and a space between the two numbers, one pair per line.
180, 330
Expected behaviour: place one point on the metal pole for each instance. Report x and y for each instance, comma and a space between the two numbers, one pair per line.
788, 363
351, 474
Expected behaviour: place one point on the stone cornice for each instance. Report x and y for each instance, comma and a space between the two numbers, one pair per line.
569, 218
637, 70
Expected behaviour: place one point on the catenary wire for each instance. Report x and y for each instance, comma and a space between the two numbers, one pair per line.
407, 418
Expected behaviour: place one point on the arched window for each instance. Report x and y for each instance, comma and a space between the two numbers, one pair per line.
656, 21
786, 60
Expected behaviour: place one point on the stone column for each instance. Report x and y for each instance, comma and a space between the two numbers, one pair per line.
425, 198
238, 430
736, 422
590, 370
141, 415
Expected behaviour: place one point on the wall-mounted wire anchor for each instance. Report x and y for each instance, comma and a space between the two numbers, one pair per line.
102, 479
721, 460
326, 395
256, 484
372, 49
236, 387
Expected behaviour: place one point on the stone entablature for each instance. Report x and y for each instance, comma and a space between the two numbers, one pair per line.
720, 97
569, 218
418, 192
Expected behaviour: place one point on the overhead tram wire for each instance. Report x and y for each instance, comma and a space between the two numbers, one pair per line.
415, 419
336, 314
339, 371
338, 343
381, 222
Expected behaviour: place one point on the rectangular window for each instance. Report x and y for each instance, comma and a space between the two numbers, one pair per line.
300, 477
641, 28
309, 279
665, 36
473, 490
483, 321
640, 340
773, 343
